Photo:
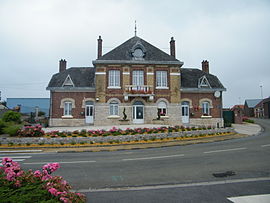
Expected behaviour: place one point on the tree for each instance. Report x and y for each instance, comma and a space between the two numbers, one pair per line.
11, 116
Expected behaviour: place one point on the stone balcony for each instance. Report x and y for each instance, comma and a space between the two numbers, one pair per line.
138, 91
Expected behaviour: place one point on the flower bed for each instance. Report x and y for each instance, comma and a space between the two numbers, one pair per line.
17, 185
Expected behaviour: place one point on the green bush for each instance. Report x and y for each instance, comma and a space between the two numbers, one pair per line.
3, 124
11, 116
12, 130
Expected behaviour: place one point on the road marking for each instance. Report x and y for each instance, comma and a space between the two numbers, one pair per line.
265, 198
266, 145
155, 187
17, 157
154, 157
18, 151
225, 150
61, 162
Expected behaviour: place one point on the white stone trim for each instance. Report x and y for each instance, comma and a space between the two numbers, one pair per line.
188, 100
162, 88
65, 100
176, 74
66, 117
113, 117
113, 99
114, 87
100, 73
206, 100
149, 73
126, 73
87, 99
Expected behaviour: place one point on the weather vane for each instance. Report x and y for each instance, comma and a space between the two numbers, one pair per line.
135, 29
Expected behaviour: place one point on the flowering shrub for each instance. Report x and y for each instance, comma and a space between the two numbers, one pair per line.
38, 186
31, 131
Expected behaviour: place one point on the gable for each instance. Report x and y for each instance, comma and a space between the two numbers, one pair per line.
124, 53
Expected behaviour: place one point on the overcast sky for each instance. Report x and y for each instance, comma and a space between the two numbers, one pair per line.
233, 35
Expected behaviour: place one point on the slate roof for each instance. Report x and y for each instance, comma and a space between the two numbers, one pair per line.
124, 53
251, 103
190, 77
81, 77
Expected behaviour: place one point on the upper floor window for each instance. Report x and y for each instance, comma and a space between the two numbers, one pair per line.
161, 79
114, 106
137, 77
114, 78
206, 108
67, 108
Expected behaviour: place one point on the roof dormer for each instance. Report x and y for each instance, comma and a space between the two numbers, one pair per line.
68, 82
203, 82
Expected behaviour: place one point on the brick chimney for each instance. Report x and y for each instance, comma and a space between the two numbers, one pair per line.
99, 54
62, 65
205, 66
172, 47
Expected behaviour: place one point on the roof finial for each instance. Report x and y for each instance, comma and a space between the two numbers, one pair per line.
135, 28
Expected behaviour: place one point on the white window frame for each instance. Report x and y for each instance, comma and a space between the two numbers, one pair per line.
114, 79
138, 77
67, 108
206, 108
161, 80
114, 108
162, 106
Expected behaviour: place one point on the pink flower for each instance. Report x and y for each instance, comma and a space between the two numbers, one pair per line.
37, 173
53, 191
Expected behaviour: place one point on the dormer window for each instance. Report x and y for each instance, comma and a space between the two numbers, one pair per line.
203, 82
138, 51
68, 82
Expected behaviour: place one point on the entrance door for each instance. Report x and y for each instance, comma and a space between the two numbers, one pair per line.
138, 112
185, 112
89, 112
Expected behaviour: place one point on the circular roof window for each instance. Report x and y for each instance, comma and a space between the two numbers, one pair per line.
138, 53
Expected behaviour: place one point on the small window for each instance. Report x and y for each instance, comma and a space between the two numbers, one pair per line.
114, 78
162, 108
67, 108
161, 79
114, 106
206, 108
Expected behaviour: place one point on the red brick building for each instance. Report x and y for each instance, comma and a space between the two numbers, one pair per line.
135, 83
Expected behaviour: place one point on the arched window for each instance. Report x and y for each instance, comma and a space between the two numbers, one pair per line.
114, 108
206, 108
162, 108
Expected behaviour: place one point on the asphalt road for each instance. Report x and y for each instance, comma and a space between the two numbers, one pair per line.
170, 174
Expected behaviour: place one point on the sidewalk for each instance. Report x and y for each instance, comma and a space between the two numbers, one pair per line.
247, 128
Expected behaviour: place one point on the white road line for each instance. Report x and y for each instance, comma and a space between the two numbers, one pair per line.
156, 187
17, 157
155, 157
18, 151
266, 145
61, 162
225, 150
265, 198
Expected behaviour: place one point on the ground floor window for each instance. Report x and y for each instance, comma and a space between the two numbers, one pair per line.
206, 108
67, 108
114, 108
162, 108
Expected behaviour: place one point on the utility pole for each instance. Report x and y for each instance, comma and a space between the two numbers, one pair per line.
262, 110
